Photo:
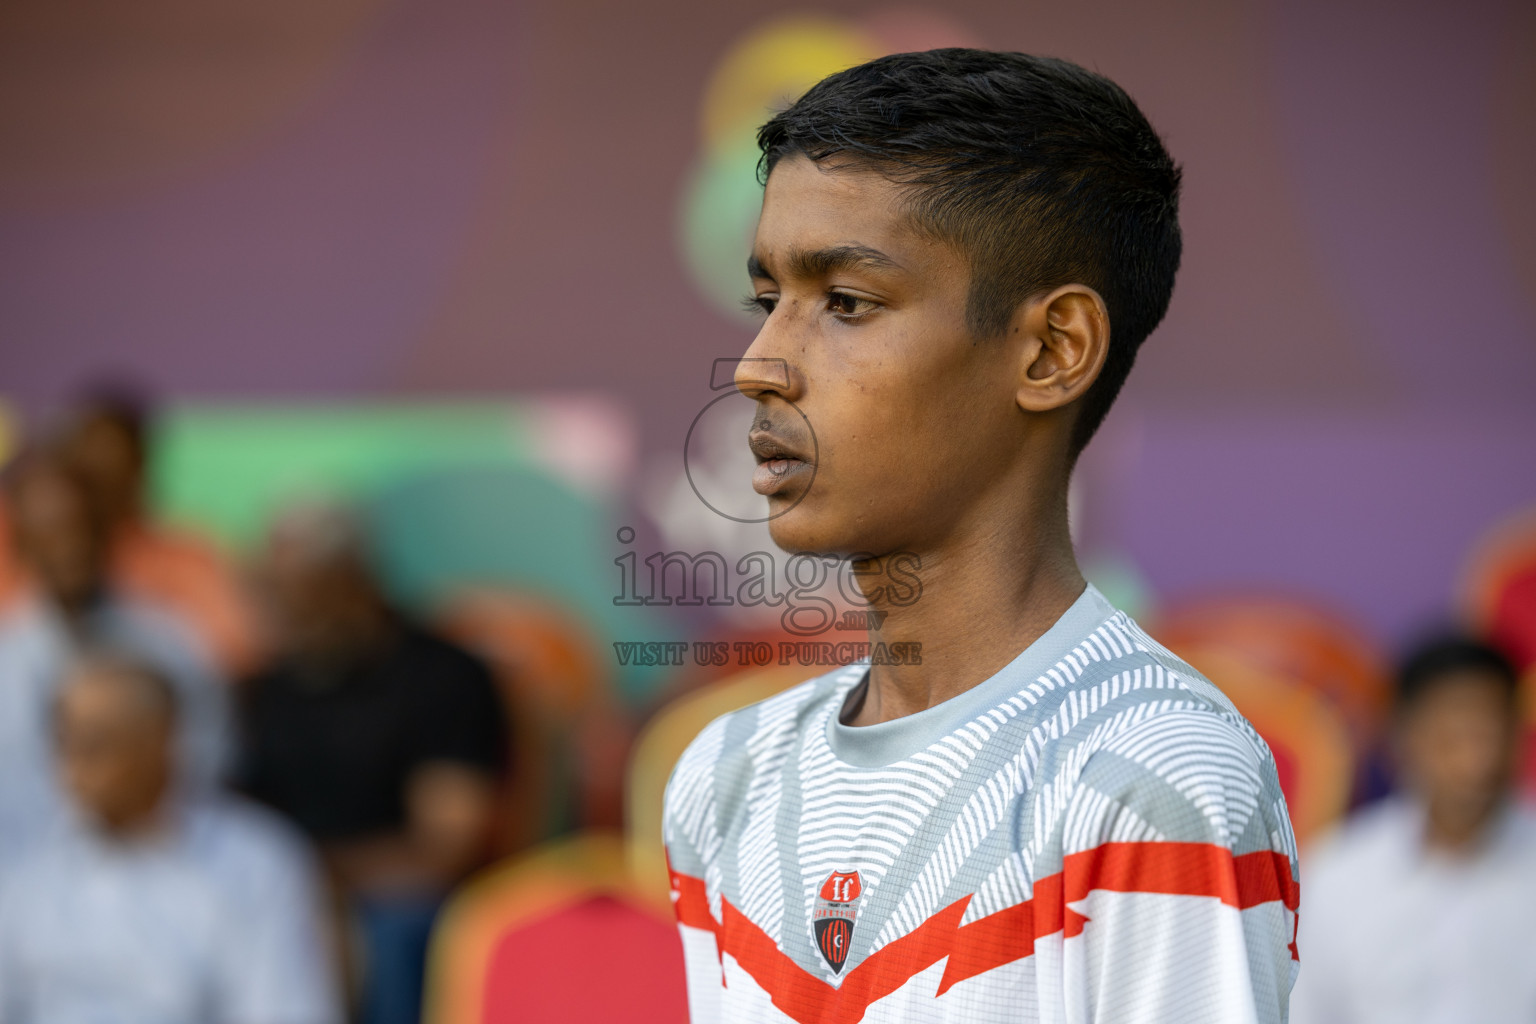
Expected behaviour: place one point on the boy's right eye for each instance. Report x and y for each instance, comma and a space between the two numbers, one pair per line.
761, 305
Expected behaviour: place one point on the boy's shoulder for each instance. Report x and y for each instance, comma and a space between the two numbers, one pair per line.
1162, 711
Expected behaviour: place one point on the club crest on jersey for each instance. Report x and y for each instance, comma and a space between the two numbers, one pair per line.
836, 907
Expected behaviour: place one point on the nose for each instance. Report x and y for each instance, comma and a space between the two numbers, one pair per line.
756, 376
763, 368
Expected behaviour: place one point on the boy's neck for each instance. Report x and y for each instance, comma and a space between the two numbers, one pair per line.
985, 597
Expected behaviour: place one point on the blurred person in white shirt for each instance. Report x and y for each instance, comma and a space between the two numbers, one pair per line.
1422, 908
59, 536
148, 905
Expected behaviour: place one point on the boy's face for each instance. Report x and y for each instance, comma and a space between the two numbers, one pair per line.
915, 421
1458, 743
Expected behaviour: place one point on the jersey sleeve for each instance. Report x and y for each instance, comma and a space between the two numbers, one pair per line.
1179, 878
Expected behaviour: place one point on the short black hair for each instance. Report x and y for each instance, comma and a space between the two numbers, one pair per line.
1042, 172
1432, 662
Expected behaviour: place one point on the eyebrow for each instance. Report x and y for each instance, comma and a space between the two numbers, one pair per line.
821, 262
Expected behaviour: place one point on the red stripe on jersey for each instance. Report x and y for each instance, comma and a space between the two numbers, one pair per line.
690, 900
1179, 869
1172, 869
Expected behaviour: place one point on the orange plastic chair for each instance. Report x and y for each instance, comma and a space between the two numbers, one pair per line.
558, 935
549, 653
1294, 640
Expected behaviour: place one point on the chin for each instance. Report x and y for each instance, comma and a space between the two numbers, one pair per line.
798, 528
791, 538
812, 530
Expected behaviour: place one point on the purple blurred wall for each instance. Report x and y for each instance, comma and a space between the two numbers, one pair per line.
396, 197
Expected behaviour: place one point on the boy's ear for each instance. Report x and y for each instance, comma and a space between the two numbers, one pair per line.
1065, 338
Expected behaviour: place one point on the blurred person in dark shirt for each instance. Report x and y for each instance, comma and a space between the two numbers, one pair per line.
61, 537
382, 741
150, 904
1422, 908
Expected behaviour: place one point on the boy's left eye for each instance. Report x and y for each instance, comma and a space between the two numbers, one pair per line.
848, 307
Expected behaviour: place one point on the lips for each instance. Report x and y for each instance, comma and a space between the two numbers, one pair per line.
779, 462
774, 475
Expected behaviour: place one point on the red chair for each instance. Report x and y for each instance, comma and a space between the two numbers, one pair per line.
1499, 587
556, 936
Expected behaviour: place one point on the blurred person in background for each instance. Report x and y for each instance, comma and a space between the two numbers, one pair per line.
1423, 906
60, 537
150, 905
107, 441
380, 740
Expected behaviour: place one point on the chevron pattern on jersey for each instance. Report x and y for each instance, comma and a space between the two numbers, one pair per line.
1095, 739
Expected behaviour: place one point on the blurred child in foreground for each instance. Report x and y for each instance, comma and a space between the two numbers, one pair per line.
1422, 908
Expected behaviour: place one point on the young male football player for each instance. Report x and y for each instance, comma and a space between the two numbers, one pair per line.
1047, 817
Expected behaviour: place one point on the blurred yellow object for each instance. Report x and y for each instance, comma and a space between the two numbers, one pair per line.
1304, 731
772, 67
663, 741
